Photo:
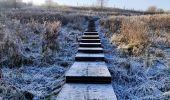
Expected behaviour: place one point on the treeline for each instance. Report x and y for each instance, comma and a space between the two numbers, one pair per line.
13, 4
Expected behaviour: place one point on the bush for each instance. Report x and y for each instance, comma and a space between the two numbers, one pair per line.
28, 35
133, 34
52, 32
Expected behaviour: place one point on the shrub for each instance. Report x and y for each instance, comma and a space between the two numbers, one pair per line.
152, 9
50, 43
135, 33
52, 30
133, 36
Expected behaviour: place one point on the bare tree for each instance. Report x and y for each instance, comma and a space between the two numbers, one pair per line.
102, 3
152, 9
13, 3
30, 3
49, 3
160, 10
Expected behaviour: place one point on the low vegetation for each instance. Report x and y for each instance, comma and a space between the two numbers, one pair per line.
30, 35
136, 33
140, 62
36, 48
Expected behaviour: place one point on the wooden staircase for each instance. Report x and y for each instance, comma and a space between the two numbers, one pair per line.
89, 77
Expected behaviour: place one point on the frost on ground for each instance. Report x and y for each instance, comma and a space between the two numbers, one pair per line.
34, 55
131, 78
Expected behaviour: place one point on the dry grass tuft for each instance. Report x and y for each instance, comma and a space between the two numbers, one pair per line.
135, 34
50, 44
52, 32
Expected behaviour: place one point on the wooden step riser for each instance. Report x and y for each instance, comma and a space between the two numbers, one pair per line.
88, 37
90, 41
89, 58
86, 80
91, 51
90, 45
91, 27
91, 30
91, 34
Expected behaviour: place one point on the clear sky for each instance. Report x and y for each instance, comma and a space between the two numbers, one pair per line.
130, 4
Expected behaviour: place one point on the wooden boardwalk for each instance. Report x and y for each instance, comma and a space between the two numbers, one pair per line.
89, 77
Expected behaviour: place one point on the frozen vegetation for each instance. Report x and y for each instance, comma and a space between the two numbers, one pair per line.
37, 46
137, 52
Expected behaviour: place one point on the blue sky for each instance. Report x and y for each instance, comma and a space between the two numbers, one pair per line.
130, 4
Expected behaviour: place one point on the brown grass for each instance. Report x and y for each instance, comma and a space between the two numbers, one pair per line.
52, 32
133, 36
135, 33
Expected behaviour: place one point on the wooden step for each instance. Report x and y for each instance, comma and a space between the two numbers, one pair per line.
87, 92
88, 72
90, 40
89, 57
90, 44
91, 33
90, 50
90, 37
92, 28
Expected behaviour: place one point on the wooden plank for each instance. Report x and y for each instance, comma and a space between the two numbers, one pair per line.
90, 33
89, 30
90, 40
89, 57
88, 72
90, 50
90, 44
87, 92
92, 29
90, 37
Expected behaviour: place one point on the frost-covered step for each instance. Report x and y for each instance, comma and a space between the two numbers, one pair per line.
90, 40
90, 37
90, 30
88, 72
91, 33
90, 44
87, 92
89, 57
91, 27
90, 50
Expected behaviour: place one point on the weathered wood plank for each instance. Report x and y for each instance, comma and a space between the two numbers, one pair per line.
90, 44
90, 37
88, 72
90, 33
90, 30
89, 57
90, 50
90, 40
87, 92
